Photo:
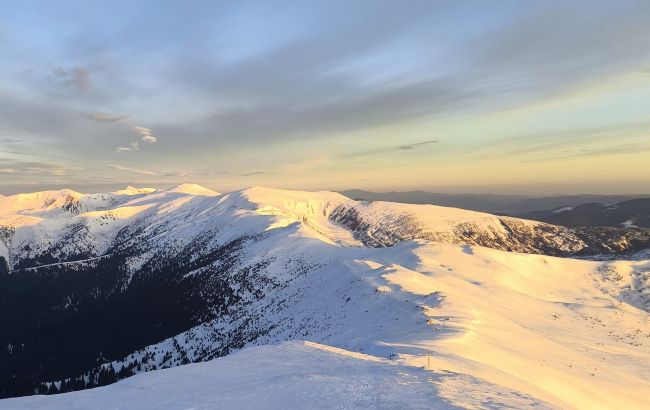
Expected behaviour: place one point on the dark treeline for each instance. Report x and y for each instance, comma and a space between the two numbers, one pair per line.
59, 321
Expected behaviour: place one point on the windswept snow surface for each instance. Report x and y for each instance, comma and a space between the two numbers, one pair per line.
421, 324
292, 375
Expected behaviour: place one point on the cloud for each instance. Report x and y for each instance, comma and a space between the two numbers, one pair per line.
77, 77
103, 117
133, 146
250, 174
142, 130
146, 134
179, 174
616, 149
316, 85
55, 172
416, 145
381, 64
32, 169
136, 171
583, 140
386, 150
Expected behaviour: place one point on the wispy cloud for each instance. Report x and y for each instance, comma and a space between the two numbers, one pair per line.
146, 134
416, 145
390, 149
103, 117
586, 141
179, 174
32, 168
77, 77
133, 146
351, 92
250, 174
632, 148
129, 170
55, 172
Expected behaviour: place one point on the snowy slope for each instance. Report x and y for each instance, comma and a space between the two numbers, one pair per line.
565, 332
288, 376
510, 330
448, 322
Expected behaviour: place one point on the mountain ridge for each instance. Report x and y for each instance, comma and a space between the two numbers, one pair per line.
136, 283
512, 205
92, 214
633, 213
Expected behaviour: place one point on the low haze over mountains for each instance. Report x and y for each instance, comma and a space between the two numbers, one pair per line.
493, 203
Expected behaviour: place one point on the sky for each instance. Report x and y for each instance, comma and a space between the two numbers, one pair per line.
534, 97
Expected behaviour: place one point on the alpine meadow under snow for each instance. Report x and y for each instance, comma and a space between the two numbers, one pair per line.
268, 298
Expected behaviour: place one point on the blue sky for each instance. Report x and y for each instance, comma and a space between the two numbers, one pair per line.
462, 96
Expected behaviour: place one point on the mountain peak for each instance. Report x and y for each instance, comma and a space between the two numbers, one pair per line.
131, 190
66, 199
193, 189
267, 194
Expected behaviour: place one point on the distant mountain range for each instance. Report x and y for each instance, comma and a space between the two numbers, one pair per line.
632, 213
514, 205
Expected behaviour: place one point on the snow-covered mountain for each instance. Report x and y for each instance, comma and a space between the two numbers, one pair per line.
62, 226
633, 213
98, 287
